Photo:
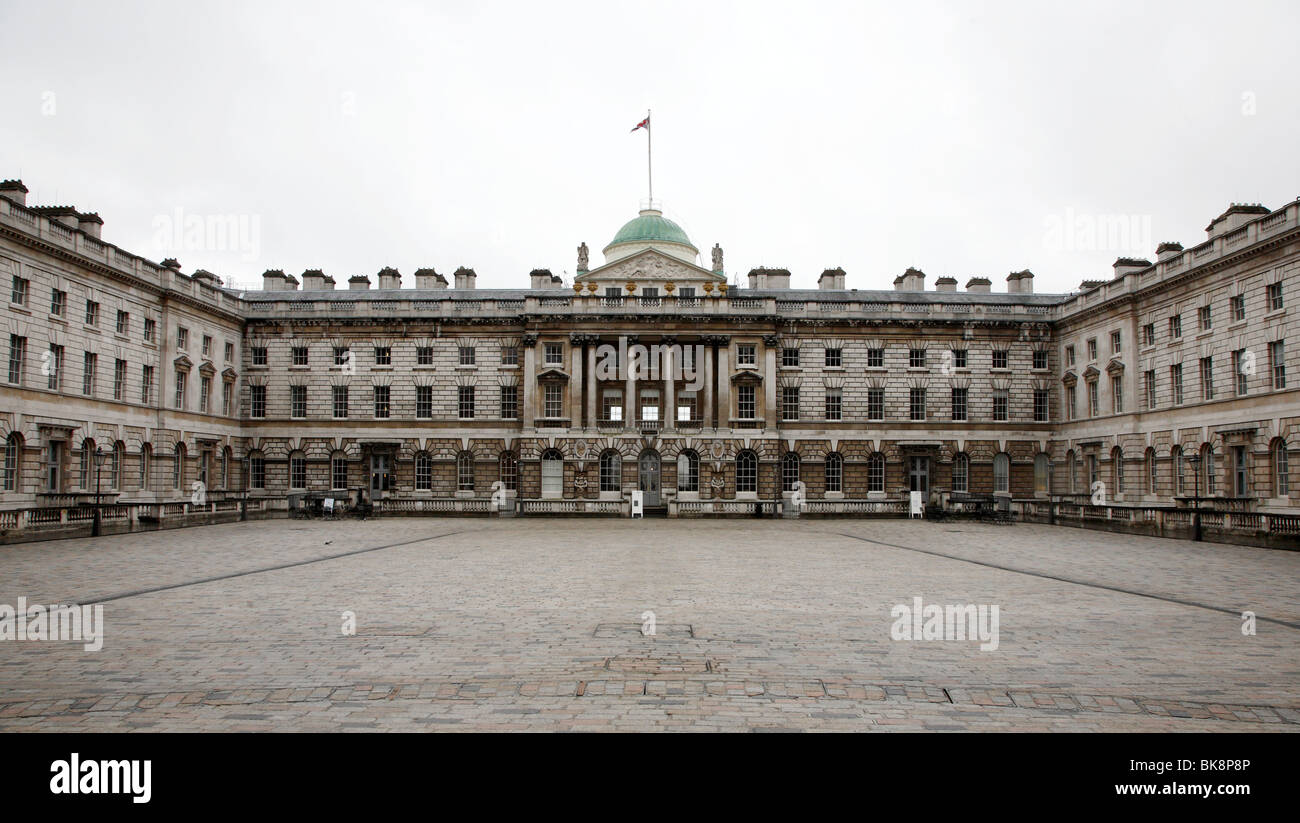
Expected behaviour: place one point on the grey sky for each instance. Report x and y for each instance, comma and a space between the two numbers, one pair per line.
806, 136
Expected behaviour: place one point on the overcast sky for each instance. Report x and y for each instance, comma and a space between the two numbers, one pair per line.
961, 138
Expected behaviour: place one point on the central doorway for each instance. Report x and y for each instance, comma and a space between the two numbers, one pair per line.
918, 474
649, 465
381, 478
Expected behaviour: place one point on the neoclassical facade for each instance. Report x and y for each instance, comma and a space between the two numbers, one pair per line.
1166, 380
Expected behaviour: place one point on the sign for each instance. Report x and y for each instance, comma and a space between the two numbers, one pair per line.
638, 504
918, 504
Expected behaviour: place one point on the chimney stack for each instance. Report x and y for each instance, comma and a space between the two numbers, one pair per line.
390, 278
358, 282
1127, 265
272, 279
14, 190
429, 279
765, 278
945, 284
313, 280
537, 278
831, 279
90, 223
911, 280
979, 285
1168, 249
465, 278
1020, 282
1236, 215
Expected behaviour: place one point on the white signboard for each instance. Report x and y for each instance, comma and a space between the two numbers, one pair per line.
638, 504
918, 504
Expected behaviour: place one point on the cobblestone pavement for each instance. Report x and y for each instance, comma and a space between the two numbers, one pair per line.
534, 624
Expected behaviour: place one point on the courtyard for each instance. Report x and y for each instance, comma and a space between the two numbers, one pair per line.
537, 625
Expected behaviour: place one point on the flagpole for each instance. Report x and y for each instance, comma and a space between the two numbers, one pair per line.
649, 162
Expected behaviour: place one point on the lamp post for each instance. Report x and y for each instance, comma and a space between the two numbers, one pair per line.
1195, 461
99, 475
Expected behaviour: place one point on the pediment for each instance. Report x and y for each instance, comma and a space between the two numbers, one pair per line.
651, 266
747, 377
1115, 367
1091, 373
552, 374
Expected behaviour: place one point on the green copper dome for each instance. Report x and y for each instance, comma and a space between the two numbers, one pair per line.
651, 227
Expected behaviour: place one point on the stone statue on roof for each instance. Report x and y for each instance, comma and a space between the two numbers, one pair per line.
582, 257
717, 257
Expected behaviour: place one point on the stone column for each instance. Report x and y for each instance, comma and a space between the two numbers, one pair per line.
629, 387
529, 342
592, 345
668, 363
769, 381
706, 412
724, 386
575, 383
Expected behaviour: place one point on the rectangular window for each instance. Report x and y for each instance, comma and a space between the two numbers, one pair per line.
834, 358
205, 393
959, 358
1040, 405
424, 356
611, 406
1069, 355
1040, 358
150, 330
959, 398
1176, 382
789, 357
1116, 341
553, 354
227, 396
1277, 363
257, 401
917, 404
465, 402
1000, 403
257, 471
1176, 326
230, 351
1072, 402
123, 322
1206, 319
1092, 348
338, 473
999, 358
875, 404
423, 472
207, 345
1151, 389
1149, 334
180, 390
746, 354
1207, 378
92, 313
745, 407
1094, 408
383, 356
424, 402
342, 356
340, 401
1273, 293
297, 472
686, 404
916, 358
90, 363
1239, 367
300, 356
19, 293
55, 381
553, 401
182, 337
382, 395
17, 358
1238, 305
298, 401
467, 355
259, 355
1117, 394
510, 356
58, 302
875, 358
789, 402
834, 404
146, 384
509, 402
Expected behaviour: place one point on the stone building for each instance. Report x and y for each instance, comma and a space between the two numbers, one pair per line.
647, 372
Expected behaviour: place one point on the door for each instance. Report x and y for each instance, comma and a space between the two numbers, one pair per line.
650, 478
552, 475
918, 474
380, 475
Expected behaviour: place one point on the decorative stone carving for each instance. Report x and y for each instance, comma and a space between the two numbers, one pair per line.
582, 257
528, 341
717, 257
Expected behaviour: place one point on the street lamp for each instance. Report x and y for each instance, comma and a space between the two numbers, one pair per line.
100, 456
1195, 461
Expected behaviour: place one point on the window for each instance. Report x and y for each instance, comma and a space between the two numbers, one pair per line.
383, 356
959, 398
257, 471
1207, 378
552, 473
146, 384
1094, 408
1273, 293
553, 354
258, 355
1238, 305
1153, 473
1149, 334
510, 356
1207, 465
1072, 402
119, 380
1001, 473
789, 402
13, 451
227, 395
745, 408
508, 468
1040, 358
509, 402
1281, 471
465, 402
297, 471
1116, 343
1239, 368
230, 351
180, 389
298, 401
961, 473
58, 302
342, 356
182, 337
1277, 363
55, 381
19, 293
1117, 470
423, 472
300, 356
92, 313
789, 471
1040, 405
875, 358
746, 471
257, 402
650, 405
1000, 404
916, 358
87, 460
338, 471
611, 405
611, 471
424, 356
834, 404
178, 466
999, 358
553, 401
382, 395
89, 365
1176, 382
17, 358
1042, 473
746, 354
207, 345
1176, 461
875, 404
686, 407
424, 402
1205, 318
1176, 326
959, 358
876, 473
1092, 348
1117, 393
150, 330
1240, 486
834, 358
834, 472
340, 397
205, 393
146, 458
789, 357
1069, 355
688, 471
467, 355
916, 404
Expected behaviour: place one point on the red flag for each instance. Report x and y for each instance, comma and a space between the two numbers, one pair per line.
644, 124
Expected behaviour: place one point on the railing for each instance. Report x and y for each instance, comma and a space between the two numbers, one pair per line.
649, 425
1238, 526
41, 522
479, 505
746, 303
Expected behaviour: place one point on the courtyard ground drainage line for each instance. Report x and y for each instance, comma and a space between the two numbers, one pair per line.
1234, 612
277, 567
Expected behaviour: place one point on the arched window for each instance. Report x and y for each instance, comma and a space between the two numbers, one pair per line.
1001, 473
87, 464
257, 470
961, 472
1072, 467
178, 466
552, 473
1176, 463
1153, 474
338, 471
465, 472
834, 472
297, 470
115, 460
423, 472
688, 471
146, 465
508, 468
876, 473
746, 471
1208, 469
789, 471
1281, 470
1042, 472
1117, 470
611, 471
13, 461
